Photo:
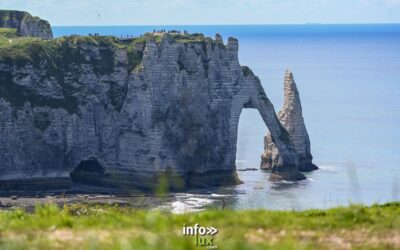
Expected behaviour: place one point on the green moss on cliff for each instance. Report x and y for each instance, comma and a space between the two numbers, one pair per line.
56, 58
188, 38
60, 52
30, 50
17, 95
135, 54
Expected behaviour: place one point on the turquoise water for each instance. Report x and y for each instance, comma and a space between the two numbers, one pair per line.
349, 81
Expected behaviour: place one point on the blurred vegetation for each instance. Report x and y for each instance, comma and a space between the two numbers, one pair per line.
81, 226
8, 33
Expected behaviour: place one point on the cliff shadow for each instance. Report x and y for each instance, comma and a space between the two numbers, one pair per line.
87, 171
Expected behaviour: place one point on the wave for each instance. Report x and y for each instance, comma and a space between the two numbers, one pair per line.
220, 195
186, 204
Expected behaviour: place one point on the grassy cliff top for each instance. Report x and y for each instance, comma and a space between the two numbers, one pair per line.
25, 50
176, 36
56, 57
24, 43
82, 226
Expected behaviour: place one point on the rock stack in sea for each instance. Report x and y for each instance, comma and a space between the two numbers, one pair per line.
291, 118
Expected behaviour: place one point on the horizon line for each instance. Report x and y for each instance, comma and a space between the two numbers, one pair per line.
275, 24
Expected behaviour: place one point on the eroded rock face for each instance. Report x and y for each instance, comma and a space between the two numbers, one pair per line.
292, 120
89, 113
25, 24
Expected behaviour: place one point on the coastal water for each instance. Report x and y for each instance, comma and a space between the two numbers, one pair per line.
349, 81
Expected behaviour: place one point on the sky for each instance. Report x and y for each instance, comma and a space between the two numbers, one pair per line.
164, 12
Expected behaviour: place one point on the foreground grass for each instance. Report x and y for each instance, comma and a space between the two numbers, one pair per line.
109, 227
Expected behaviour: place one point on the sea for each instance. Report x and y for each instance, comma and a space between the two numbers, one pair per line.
348, 76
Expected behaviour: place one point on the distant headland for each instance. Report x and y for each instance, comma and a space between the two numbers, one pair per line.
25, 24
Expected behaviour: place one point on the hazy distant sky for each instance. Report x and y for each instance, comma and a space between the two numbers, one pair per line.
131, 12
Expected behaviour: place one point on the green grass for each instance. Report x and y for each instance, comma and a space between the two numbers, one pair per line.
8, 33
14, 47
23, 51
110, 227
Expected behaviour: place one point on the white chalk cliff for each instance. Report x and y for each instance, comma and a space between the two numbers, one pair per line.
128, 113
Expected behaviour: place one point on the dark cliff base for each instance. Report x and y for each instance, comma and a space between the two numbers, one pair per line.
155, 182
35, 184
215, 178
307, 167
287, 174
123, 182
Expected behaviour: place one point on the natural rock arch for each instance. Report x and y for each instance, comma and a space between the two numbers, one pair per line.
254, 97
175, 112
